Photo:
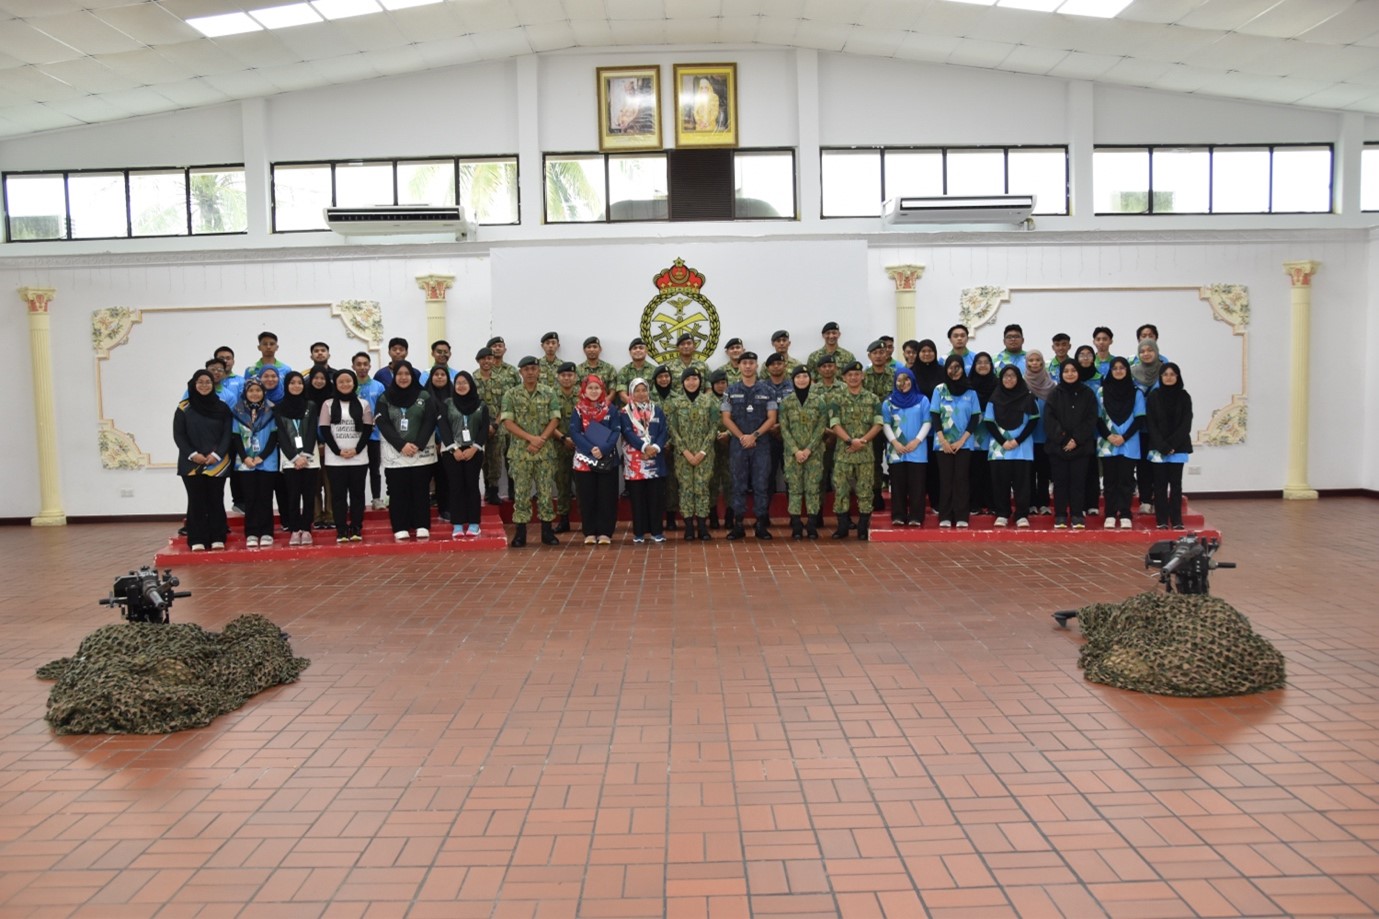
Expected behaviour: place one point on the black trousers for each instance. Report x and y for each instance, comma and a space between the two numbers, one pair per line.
375, 461
1069, 486
1043, 478
205, 509
979, 479
933, 479
347, 497
300, 487
257, 490
1010, 477
1168, 493
1144, 477
954, 470
409, 497
1118, 475
440, 483
907, 491
648, 498
597, 494
462, 488
878, 455
1091, 485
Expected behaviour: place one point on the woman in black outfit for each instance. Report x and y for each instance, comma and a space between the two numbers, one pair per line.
929, 373
983, 382
299, 464
1168, 424
464, 437
438, 387
1070, 421
201, 429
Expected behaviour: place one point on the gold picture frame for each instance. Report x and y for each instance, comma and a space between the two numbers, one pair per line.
629, 108
706, 105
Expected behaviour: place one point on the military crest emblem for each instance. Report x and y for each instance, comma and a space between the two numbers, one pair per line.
679, 308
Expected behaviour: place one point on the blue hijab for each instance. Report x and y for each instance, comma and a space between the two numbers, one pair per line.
905, 399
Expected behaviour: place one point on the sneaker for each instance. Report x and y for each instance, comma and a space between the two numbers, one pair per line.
307, 538
1110, 523
1146, 507
1079, 525
401, 535
473, 529
945, 524
899, 522
423, 533
251, 542
341, 540
1045, 510
198, 547
638, 540
1093, 511
1179, 526
266, 542
355, 537
377, 504
1023, 523
917, 523
458, 531
235, 508
1060, 524
605, 541
658, 539
1001, 521
962, 524
295, 539
1162, 526
591, 540
217, 546
1126, 523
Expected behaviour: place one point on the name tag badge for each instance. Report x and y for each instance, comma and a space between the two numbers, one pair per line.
403, 427
253, 445
466, 438
297, 441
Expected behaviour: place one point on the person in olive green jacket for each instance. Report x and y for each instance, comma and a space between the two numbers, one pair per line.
803, 416
693, 417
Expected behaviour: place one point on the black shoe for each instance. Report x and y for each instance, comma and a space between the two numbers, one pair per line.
844, 524
817, 521
670, 521
713, 520
491, 496
563, 524
864, 527
181, 531
691, 532
761, 531
736, 532
519, 535
730, 519
548, 534
796, 527
810, 529
704, 531
878, 503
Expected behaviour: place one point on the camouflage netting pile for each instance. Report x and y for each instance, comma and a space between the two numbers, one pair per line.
1176, 645
140, 678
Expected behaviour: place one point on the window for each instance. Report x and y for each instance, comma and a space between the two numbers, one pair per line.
856, 181
1235, 179
1369, 178
488, 190
120, 203
712, 184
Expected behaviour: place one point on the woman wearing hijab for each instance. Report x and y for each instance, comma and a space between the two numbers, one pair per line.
1145, 371
692, 416
463, 425
662, 390
202, 429
642, 424
1041, 385
906, 423
983, 380
439, 388
345, 425
1118, 446
594, 429
1168, 429
300, 465
319, 388
1085, 358
272, 385
928, 370
803, 415
1010, 419
407, 418
955, 412
254, 445
1070, 416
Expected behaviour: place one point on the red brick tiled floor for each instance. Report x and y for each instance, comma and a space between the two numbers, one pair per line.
749, 729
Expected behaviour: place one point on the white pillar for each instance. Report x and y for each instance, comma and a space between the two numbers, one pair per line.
45, 417
904, 277
435, 286
1300, 274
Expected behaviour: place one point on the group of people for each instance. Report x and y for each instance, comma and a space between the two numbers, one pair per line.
1015, 434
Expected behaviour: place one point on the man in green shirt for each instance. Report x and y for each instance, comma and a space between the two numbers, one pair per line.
638, 368
841, 356
878, 379
530, 414
733, 349
780, 341
594, 365
802, 423
831, 389
686, 344
550, 360
856, 420
491, 385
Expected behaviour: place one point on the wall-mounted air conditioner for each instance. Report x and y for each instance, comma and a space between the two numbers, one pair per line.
393, 220
910, 211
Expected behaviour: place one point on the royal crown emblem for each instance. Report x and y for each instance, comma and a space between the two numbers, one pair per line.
679, 307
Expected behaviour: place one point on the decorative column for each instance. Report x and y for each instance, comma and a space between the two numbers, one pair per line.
435, 286
45, 417
904, 277
1295, 486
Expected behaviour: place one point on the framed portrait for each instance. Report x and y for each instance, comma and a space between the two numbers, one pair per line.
629, 108
706, 105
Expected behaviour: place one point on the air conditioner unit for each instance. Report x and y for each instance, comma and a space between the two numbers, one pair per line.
909, 211
394, 220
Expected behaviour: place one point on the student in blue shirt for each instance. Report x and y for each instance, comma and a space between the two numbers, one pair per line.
1010, 420
906, 422
954, 413
1101, 339
1014, 353
1121, 415
268, 357
1041, 383
369, 390
983, 379
1085, 358
254, 446
1145, 370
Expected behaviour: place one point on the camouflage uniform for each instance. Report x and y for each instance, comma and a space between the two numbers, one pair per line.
671, 451
720, 482
550, 377
842, 357
852, 472
491, 390
531, 411
879, 385
677, 367
802, 428
564, 456
730, 369
508, 374
831, 393
692, 427
630, 372
601, 369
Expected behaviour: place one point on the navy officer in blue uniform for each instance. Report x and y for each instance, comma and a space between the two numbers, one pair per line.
749, 414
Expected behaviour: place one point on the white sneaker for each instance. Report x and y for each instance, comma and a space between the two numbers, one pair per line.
1023, 523
1110, 523
198, 548
945, 524
1146, 508
266, 542
1001, 521
251, 542
423, 533
1093, 511
1126, 523
1044, 510
217, 546
401, 535
962, 524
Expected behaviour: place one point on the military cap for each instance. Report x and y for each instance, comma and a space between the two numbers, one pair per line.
829, 327
855, 365
779, 334
592, 340
733, 341
527, 361
684, 337
496, 340
775, 357
483, 353
567, 367
548, 336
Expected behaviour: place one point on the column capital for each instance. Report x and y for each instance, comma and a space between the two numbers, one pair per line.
1300, 273
904, 276
435, 285
37, 298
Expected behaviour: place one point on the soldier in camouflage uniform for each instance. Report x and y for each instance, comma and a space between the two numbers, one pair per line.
841, 356
567, 395
831, 389
594, 365
856, 419
530, 414
780, 341
501, 367
686, 345
638, 367
491, 385
662, 389
720, 484
693, 417
878, 378
550, 360
733, 349
803, 417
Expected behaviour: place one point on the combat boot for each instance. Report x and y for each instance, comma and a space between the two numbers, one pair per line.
563, 524
863, 527
548, 534
690, 531
491, 495
713, 519
736, 532
519, 535
704, 531
810, 530
670, 521
761, 530
844, 524
730, 518
796, 527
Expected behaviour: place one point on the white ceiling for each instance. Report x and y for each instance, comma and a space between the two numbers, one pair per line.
71, 62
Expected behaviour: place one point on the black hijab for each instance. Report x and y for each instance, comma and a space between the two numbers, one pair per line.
1064, 386
1118, 395
662, 391
399, 397
1170, 400
440, 393
341, 400
469, 403
930, 374
960, 385
291, 406
1011, 407
801, 393
982, 384
691, 372
210, 404
1085, 374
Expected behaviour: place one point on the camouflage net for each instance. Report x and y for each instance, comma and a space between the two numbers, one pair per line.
141, 678
1176, 645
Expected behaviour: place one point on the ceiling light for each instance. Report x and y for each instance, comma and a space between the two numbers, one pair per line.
406, 4
1039, 6
1102, 9
283, 17
224, 24
344, 9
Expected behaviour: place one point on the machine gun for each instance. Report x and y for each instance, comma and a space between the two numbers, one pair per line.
144, 596
1184, 565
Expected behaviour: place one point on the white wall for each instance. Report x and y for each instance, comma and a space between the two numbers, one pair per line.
1369, 407
208, 136
1125, 115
